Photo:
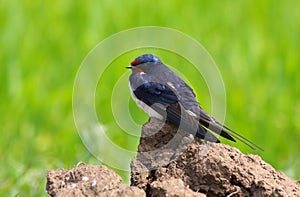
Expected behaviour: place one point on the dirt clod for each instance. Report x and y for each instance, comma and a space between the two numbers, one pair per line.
88, 180
172, 187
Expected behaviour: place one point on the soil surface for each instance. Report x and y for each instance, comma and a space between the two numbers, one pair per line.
172, 163
88, 180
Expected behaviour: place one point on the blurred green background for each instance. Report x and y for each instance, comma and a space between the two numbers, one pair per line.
254, 43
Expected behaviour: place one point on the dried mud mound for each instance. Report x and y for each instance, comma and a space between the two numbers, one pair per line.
88, 180
187, 167
209, 168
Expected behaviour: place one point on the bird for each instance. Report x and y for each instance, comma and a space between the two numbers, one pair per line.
164, 95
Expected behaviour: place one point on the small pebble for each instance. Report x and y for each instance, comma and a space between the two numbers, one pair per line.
85, 178
94, 182
71, 186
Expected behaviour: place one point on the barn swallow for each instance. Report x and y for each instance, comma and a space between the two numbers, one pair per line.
164, 95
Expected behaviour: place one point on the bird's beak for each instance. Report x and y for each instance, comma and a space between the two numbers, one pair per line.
130, 67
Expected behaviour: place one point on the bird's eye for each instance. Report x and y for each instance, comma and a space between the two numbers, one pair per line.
135, 62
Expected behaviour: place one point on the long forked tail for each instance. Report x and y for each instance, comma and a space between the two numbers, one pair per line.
222, 130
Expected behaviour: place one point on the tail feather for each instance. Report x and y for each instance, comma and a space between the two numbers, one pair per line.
226, 132
203, 133
218, 130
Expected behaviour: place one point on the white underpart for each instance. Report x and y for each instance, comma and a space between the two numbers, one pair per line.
145, 107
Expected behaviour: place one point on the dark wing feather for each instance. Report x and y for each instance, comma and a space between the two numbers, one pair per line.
155, 93
163, 100
208, 122
177, 116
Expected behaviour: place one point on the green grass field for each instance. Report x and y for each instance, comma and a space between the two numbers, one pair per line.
254, 43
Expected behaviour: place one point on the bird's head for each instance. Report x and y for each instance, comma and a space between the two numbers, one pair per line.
143, 63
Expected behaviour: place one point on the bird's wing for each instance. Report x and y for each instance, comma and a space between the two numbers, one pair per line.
164, 100
188, 100
155, 93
